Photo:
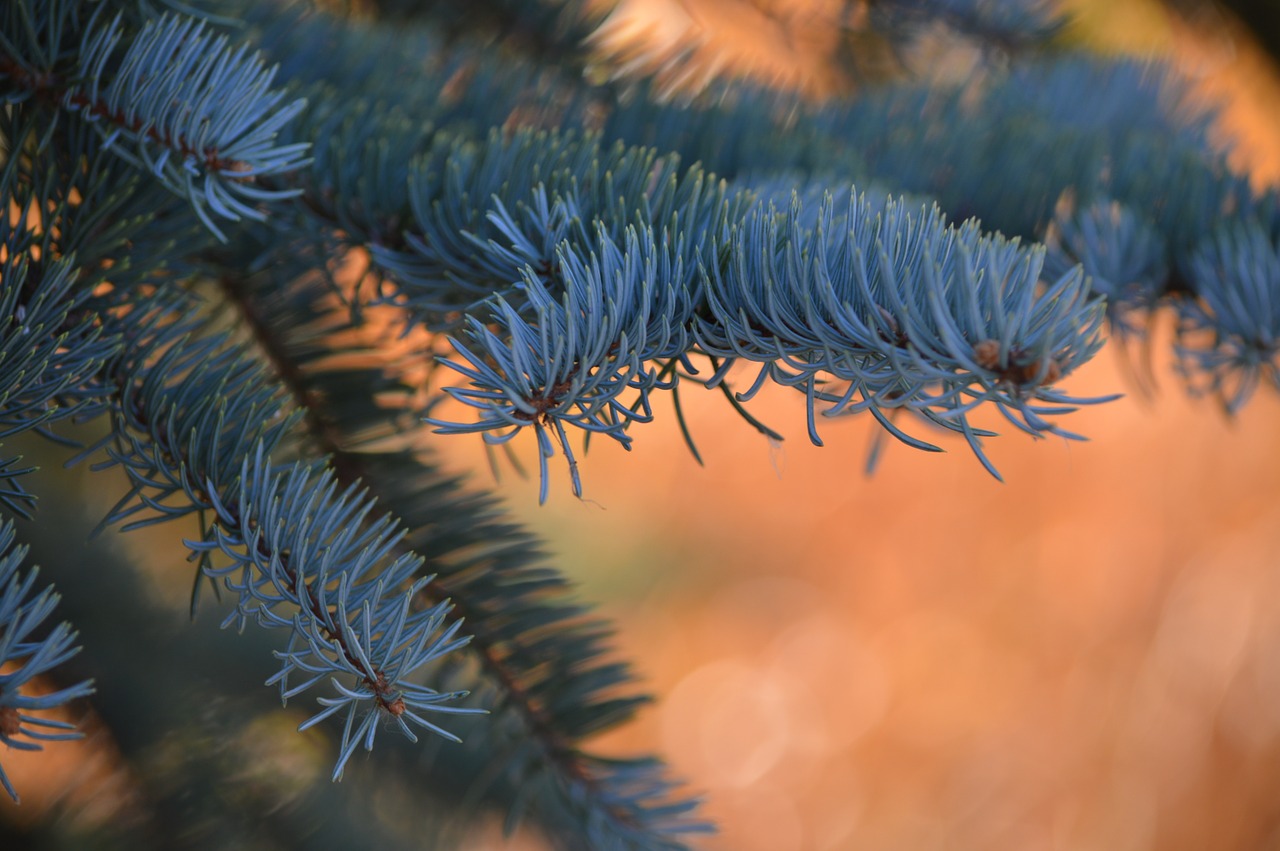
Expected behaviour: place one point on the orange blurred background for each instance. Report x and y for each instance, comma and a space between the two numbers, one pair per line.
1085, 657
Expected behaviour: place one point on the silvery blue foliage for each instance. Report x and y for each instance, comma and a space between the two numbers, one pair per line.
879, 307
299, 551
192, 109
621, 311
302, 555
864, 307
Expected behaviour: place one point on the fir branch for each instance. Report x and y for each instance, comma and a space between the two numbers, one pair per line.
899, 310
544, 661
622, 309
231, 776
195, 423
176, 102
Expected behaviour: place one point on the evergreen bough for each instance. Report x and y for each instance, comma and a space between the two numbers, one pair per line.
184, 182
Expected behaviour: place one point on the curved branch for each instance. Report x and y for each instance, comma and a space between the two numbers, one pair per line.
291, 328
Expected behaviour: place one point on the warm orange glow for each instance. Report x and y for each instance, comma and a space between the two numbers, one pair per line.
787, 43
